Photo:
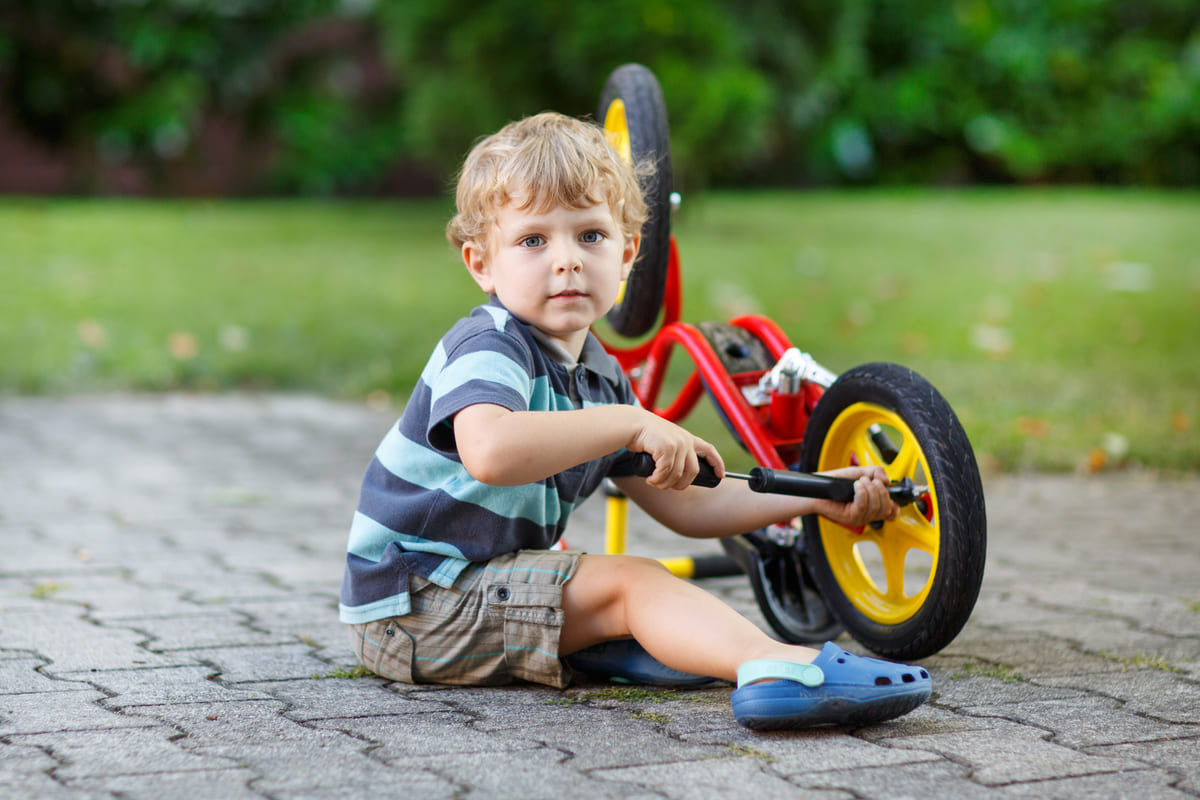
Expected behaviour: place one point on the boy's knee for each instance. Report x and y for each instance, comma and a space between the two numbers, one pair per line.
639, 567
611, 576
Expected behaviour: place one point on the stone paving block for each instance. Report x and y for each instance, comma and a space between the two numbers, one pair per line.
242, 583
1145, 783
308, 573
928, 720
103, 542
121, 751
919, 781
211, 723
69, 643
1155, 693
185, 684
1006, 753
1032, 655
38, 559
544, 774
215, 627
525, 707
288, 758
20, 675
25, 772
741, 773
46, 712
598, 738
1007, 606
827, 748
1149, 611
262, 663
683, 712
1179, 758
432, 735
974, 684
1114, 639
227, 784
99, 594
114, 599
308, 618
1087, 721
240, 550
17, 592
333, 698
352, 779
204, 582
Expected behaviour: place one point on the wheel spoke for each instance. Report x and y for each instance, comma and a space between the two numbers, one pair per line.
893, 551
864, 448
906, 460
912, 530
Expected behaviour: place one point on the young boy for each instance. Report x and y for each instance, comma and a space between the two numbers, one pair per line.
518, 416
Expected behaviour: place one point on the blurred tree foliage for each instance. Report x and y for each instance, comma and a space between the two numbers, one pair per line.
759, 91
136, 81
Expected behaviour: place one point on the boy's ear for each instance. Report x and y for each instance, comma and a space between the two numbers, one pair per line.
629, 255
474, 255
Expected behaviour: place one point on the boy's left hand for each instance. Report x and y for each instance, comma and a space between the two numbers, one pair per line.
871, 499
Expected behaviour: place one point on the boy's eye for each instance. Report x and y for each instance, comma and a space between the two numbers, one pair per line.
592, 237
532, 241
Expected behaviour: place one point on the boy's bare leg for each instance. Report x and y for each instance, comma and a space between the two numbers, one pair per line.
680, 624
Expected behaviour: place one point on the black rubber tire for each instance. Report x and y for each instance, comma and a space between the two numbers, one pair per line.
784, 588
950, 467
649, 141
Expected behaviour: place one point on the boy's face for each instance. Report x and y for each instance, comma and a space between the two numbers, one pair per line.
559, 269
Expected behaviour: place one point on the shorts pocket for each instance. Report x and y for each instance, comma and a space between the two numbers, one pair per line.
385, 648
533, 619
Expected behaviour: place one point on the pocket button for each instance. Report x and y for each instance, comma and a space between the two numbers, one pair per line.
502, 593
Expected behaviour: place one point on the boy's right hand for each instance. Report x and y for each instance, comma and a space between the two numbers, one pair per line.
676, 452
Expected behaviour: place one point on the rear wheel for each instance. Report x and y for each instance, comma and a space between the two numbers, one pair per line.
777, 566
773, 558
906, 587
634, 116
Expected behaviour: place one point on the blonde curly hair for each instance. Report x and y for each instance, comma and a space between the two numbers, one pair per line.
540, 162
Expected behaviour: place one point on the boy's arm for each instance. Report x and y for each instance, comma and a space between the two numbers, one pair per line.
507, 448
732, 507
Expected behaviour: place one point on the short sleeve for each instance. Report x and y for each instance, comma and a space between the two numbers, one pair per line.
488, 367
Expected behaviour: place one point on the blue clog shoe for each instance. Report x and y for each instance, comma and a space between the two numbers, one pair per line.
626, 661
838, 688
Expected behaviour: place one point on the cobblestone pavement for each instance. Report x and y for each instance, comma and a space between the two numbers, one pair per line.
168, 579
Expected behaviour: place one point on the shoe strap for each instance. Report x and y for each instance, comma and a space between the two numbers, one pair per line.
765, 670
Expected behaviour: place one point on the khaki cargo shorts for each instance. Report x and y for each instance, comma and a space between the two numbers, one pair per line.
500, 622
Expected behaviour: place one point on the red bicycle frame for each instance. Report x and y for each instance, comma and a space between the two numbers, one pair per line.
772, 431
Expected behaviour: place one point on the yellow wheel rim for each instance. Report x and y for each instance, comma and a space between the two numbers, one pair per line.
616, 128
885, 572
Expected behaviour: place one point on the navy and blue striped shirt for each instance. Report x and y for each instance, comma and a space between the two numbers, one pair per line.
421, 512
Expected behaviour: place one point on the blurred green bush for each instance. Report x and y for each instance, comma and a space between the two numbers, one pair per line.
343, 96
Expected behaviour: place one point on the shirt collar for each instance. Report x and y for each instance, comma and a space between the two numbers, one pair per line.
593, 355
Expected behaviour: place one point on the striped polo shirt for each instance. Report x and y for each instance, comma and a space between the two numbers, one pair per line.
421, 512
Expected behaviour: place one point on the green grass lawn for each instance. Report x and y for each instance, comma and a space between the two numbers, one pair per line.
1059, 324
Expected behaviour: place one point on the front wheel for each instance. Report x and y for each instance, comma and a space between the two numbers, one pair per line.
905, 588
